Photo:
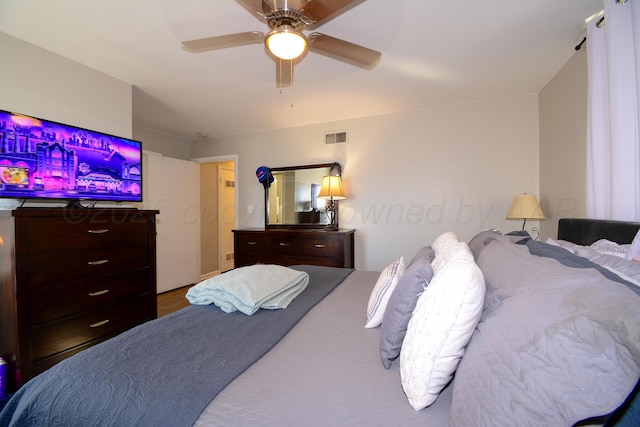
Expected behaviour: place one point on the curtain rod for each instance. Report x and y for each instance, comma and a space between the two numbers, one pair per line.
599, 24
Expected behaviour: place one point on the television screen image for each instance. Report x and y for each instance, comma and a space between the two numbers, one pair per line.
14, 176
49, 160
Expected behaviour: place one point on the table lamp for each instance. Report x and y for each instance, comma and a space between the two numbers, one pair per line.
525, 206
332, 191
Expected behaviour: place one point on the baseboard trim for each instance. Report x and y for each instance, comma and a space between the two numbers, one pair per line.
209, 275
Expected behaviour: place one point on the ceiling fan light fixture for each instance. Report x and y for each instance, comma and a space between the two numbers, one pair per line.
285, 42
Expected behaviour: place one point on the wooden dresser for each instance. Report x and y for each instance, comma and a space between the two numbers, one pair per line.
77, 277
294, 246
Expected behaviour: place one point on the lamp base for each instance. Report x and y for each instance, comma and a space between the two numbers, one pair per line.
331, 211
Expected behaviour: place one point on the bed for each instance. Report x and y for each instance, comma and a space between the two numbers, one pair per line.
509, 331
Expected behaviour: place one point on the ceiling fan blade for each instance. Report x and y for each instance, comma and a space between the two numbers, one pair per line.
321, 11
343, 50
284, 73
222, 42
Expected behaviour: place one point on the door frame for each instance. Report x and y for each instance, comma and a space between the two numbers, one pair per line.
221, 188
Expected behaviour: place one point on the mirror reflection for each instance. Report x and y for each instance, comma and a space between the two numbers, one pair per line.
292, 197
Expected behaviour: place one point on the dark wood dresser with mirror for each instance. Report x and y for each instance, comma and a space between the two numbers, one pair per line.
298, 227
72, 278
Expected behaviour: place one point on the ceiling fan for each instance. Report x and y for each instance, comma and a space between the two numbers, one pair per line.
286, 41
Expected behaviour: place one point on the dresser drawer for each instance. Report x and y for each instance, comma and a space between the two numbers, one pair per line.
320, 246
48, 268
284, 243
55, 302
42, 365
50, 234
57, 336
251, 243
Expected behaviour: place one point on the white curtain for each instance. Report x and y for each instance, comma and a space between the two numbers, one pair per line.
613, 143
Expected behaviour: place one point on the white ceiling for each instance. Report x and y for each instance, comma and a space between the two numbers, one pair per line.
434, 52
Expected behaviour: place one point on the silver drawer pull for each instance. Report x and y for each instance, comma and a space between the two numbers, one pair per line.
97, 294
252, 243
100, 231
285, 244
320, 246
100, 262
97, 325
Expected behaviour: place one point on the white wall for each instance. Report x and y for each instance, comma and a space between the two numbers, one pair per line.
409, 176
40, 83
563, 144
159, 142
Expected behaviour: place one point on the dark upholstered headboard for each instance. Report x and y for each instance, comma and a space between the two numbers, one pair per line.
586, 231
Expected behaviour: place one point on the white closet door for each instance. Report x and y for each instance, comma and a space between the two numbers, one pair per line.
173, 187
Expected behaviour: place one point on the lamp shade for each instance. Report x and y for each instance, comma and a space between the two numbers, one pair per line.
331, 188
525, 206
286, 42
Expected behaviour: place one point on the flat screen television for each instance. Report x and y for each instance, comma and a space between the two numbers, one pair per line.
42, 159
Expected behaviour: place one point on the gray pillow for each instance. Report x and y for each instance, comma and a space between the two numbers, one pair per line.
482, 239
402, 303
426, 252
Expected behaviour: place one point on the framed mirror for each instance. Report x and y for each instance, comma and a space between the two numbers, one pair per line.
291, 199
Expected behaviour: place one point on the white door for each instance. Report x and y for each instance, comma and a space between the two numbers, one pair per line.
227, 216
177, 225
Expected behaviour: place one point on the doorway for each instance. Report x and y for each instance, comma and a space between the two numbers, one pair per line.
218, 215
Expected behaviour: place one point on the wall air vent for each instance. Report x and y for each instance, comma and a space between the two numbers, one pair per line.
335, 137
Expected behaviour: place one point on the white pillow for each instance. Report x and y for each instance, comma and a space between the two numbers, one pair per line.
450, 253
381, 292
440, 328
444, 241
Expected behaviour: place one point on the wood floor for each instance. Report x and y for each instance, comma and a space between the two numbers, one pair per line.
173, 300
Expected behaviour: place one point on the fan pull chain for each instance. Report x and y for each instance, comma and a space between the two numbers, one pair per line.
280, 75
291, 87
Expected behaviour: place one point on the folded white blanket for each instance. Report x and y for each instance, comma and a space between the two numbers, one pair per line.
247, 289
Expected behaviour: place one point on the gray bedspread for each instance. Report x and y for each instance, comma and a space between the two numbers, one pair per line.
325, 373
556, 344
164, 372
570, 260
